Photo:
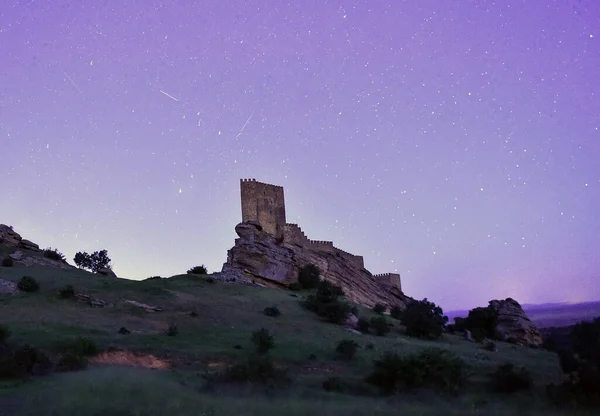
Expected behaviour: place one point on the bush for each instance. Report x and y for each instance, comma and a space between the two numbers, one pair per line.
71, 361
96, 261
53, 254
363, 325
507, 379
198, 270
272, 311
7, 262
172, 330
482, 323
82, 346
433, 367
263, 341
335, 384
295, 286
67, 292
309, 276
379, 308
326, 304
153, 278
124, 331
346, 349
4, 334
22, 361
424, 319
380, 325
259, 369
396, 312
28, 284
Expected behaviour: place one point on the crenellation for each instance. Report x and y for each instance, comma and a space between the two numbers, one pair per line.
265, 204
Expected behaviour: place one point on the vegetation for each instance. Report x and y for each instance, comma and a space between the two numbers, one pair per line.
172, 330
7, 262
379, 308
309, 276
263, 341
424, 319
198, 270
95, 262
54, 254
380, 325
507, 379
28, 284
363, 325
4, 334
346, 349
67, 292
327, 304
272, 311
396, 312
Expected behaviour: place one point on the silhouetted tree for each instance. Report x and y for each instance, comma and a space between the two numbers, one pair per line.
96, 261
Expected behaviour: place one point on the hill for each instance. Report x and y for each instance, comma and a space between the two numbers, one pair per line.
214, 322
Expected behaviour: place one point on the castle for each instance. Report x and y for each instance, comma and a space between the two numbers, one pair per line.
264, 204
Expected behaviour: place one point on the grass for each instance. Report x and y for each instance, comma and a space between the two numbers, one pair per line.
227, 314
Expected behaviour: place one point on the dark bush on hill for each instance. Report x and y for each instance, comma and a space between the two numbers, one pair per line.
197, 270
172, 330
95, 262
4, 334
153, 278
326, 303
396, 312
363, 325
263, 341
272, 311
379, 308
346, 349
7, 262
22, 361
482, 323
431, 368
53, 254
256, 369
67, 292
295, 286
380, 325
71, 361
424, 319
508, 379
82, 346
309, 276
28, 284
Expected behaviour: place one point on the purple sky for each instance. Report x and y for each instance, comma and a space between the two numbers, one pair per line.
456, 142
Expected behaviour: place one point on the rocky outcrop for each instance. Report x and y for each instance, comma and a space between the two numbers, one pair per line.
8, 287
24, 252
257, 256
107, 271
514, 325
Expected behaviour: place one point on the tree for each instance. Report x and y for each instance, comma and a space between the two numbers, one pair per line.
424, 319
482, 323
98, 260
309, 276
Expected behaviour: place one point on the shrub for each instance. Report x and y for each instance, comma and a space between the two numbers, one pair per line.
263, 341
507, 379
96, 261
379, 308
424, 319
28, 284
380, 325
153, 278
363, 325
82, 346
7, 262
54, 254
396, 312
67, 292
172, 330
124, 331
22, 361
4, 334
354, 310
295, 286
490, 346
326, 304
433, 367
309, 276
198, 270
346, 349
71, 361
335, 384
272, 311
482, 323
258, 369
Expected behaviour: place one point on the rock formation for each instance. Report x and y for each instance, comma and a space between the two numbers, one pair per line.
514, 325
24, 252
260, 257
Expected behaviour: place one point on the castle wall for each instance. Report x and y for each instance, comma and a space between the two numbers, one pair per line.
263, 203
392, 279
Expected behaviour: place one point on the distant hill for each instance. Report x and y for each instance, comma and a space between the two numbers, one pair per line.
547, 315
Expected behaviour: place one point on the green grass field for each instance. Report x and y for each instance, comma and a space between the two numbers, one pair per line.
227, 314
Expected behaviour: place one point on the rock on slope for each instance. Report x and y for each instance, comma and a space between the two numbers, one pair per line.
514, 324
257, 256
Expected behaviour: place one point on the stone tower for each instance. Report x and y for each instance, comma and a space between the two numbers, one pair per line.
264, 204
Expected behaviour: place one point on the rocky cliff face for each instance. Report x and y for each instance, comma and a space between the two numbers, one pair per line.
514, 324
259, 257
24, 252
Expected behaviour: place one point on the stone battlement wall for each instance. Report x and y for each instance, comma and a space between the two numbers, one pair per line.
389, 279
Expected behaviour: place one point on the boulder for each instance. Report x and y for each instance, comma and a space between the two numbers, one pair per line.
17, 255
514, 325
467, 335
351, 321
8, 236
258, 257
8, 287
107, 271
29, 245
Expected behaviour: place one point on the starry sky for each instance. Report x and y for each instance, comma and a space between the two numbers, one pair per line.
455, 142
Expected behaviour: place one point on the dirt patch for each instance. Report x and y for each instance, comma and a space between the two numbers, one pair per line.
127, 358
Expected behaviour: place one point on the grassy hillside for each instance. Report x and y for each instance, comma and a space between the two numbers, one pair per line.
225, 317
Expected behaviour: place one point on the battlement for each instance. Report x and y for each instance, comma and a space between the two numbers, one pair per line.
260, 183
263, 203
392, 279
